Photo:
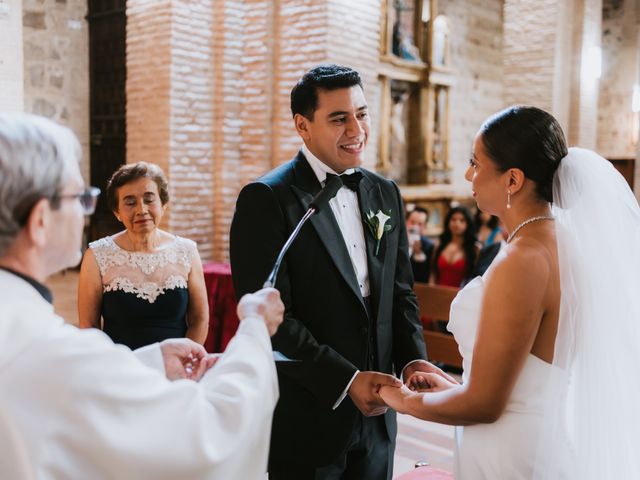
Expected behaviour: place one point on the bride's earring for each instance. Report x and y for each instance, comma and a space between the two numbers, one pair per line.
508, 198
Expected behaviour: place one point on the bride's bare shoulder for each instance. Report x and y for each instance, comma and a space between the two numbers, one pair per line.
525, 263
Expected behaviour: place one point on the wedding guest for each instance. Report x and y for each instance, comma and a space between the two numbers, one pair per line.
456, 251
549, 388
143, 284
420, 246
488, 229
73, 404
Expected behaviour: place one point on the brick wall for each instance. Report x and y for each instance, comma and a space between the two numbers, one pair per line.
259, 49
547, 46
210, 100
530, 50
149, 83
56, 64
354, 39
262, 48
169, 106
619, 73
301, 30
477, 60
191, 122
11, 63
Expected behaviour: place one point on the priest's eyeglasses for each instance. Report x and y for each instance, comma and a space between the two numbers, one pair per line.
88, 199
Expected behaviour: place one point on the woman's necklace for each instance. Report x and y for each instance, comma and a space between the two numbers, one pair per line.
527, 222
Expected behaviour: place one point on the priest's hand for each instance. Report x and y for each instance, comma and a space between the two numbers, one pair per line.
264, 303
184, 358
364, 392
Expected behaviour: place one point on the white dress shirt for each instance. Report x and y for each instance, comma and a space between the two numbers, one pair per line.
346, 210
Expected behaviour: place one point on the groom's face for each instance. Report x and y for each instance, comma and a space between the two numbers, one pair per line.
338, 132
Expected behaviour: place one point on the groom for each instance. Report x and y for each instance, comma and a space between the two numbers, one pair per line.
351, 320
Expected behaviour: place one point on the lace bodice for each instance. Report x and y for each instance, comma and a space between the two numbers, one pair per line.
147, 275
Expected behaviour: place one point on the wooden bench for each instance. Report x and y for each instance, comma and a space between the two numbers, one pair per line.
434, 302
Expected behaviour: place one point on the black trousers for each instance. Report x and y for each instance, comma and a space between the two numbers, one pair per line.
369, 456
369, 453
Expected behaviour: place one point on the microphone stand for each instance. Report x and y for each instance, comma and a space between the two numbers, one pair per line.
318, 202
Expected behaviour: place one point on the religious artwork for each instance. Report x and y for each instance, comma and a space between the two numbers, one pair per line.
439, 131
440, 42
398, 123
415, 79
401, 15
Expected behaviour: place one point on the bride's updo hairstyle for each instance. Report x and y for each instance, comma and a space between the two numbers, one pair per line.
529, 139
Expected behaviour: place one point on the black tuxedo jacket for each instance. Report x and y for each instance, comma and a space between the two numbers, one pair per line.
326, 325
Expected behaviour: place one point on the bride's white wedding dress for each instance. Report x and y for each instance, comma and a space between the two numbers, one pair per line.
577, 418
504, 449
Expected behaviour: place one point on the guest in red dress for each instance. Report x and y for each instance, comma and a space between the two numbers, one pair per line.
457, 249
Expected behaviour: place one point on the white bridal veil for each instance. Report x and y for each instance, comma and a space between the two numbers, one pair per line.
591, 429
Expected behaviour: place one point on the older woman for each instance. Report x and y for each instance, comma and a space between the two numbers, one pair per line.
146, 284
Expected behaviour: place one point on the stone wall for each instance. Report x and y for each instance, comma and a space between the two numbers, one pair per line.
11, 58
56, 65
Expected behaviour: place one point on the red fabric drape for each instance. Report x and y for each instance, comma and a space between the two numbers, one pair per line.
223, 319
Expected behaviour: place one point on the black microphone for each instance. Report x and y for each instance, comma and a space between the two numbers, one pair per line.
320, 201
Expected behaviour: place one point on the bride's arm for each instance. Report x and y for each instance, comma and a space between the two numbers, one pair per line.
513, 305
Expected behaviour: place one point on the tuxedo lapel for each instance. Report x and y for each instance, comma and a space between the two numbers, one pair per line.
370, 199
324, 222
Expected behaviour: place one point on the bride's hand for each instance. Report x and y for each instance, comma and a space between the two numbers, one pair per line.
394, 396
429, 382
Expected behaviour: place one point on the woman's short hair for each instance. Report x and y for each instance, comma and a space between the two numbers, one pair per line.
529, 139
132, 172
36, 155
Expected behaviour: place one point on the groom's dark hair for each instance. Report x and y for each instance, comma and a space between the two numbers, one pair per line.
304, 96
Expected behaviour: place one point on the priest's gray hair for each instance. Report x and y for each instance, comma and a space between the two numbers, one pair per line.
35, 156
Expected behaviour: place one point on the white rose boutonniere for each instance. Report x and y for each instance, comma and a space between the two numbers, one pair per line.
378, 225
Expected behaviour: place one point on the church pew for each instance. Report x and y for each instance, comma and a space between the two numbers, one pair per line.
434, 302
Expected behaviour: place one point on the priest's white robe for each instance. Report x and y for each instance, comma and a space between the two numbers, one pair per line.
79, 407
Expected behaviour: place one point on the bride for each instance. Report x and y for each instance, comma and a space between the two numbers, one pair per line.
550, 334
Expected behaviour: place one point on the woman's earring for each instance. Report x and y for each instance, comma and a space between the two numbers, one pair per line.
508, 198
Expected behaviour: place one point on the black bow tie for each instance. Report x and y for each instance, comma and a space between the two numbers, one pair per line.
351, 180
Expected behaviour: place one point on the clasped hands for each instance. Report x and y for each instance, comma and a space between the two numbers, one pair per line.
184, 358
373, 392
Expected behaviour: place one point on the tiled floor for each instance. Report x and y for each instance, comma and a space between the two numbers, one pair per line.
417, 440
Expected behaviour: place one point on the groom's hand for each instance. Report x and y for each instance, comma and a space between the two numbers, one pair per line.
364, 392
